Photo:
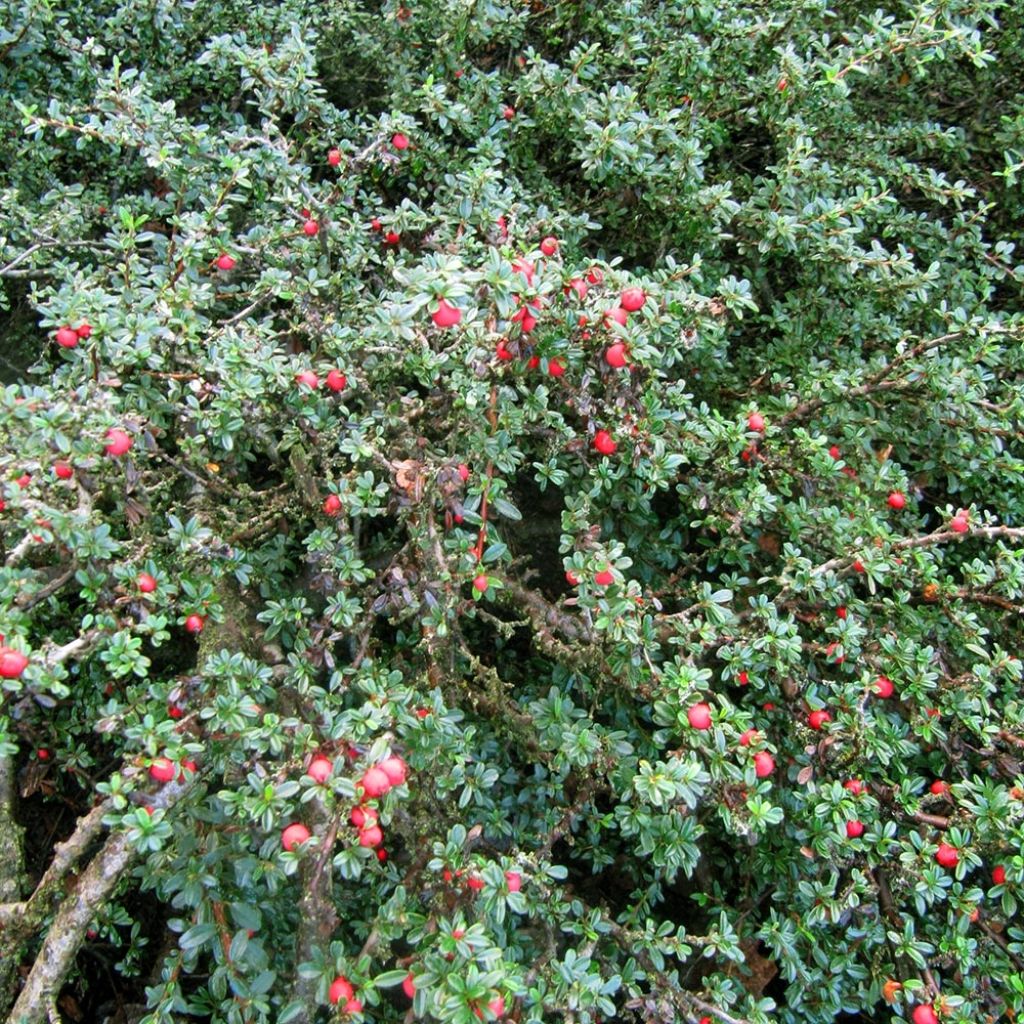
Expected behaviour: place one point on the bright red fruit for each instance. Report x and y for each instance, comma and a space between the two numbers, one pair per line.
409, 985
549, 246
577, 285
395, 769
392, 238
743, 678
145, 582
508, 113
375, 782
855, 786
340, 989
363, 817
924, 1015
556, 367
44, 755
332, 505
618, 315
371, 836
755, 422
67, 338
834, 451
480, 583
63, 471
764, 764
375, 224
572, 578
884, 687
998, 875
699, 716
118, 442
816, 719
960, 523
311, 227
84, 329
354, 1005
632, 299
308, 379
595, 275
446, 315
336, 380
604, 578
463, 472
320, 769
194, 623
748, 737
501, 351
514, 880
897, 500
497, 1006
162, 769
12, 663
294, 835
616, 355
225, 262
400, 141
947, 855
603, 443
939, 788
854, 829
334, 157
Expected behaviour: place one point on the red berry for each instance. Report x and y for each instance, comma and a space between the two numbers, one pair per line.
998, 872
595, 275
409, 985
480, 583
12, 663
924, 1015
463, 472
225, 262
476, 884
855, 786
340, 989
577, 285
748, 737
514, 880
947, 855
764, 764
194, 624
840, 613
162, 769
508, 113
816, 719
854, 829
556, 367
375, 782
884, 687
960, 523
332, 505
618, 315
615, 355
632, 299
939, 788
336, 380
603, 443
145, 582
834, 452
375, 224
604, 578
311, 227
497, 1006
44, 755
84, 329
572, 578
501, 350
320, 769
63, 471
353, 1006
363, 817
400, 141
392, 238
118, 442
699, 716
334, 157
294, 835
173, 711
858, 565
549, 246
67, 338
897, 500
743, 678
446, 315
308, 379
755, 422
395, 769
371, 836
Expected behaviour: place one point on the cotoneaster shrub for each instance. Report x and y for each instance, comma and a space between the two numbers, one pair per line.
512, 511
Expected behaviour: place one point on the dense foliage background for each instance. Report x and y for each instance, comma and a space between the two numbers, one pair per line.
663, 513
